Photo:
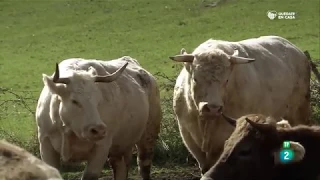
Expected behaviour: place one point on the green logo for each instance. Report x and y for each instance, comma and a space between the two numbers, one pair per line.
286, 154
286, 144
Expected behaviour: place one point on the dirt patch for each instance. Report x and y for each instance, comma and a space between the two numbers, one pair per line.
158, 173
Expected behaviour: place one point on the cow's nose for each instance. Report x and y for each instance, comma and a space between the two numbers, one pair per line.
210, 108
96, 132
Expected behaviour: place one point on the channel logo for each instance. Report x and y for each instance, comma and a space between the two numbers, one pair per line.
286, 153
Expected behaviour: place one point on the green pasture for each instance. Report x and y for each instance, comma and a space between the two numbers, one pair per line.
35, 34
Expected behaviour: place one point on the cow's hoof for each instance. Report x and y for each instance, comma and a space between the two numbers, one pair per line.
89, 176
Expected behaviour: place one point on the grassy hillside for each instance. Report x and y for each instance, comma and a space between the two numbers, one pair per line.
35, 34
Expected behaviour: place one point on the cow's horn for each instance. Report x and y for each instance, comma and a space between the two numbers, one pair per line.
182, 58
235, 59
230, 120
57, 79
263, 128
111, 77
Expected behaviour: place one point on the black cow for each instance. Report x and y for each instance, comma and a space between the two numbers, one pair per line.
252, 151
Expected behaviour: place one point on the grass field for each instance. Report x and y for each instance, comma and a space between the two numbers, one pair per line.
35, 34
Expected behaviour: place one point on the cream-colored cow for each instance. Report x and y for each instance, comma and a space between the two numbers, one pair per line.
91, 109
267, 75
17, 163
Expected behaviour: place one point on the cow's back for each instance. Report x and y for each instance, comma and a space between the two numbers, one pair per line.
276, 49
277, 83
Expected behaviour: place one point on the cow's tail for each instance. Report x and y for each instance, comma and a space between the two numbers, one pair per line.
313, 66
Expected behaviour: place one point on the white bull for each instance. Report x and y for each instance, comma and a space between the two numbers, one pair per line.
267, 75
91, 109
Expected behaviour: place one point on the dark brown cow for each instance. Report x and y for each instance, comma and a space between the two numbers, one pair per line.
252, 152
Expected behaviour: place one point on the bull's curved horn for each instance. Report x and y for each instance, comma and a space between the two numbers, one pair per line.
182, 57
263, 128
57, 79
230, 120
235, 59
111, 77
298, 149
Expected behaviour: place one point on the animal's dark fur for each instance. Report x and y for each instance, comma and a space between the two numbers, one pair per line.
234, 165
309, 137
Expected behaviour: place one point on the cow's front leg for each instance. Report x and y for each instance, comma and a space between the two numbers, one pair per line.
118, 167
196, 151
127, 160
96, 161
48, 154
121, 165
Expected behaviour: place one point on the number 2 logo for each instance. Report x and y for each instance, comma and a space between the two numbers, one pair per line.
286, 154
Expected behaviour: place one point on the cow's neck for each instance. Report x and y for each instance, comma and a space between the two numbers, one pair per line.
234, 96
73, 148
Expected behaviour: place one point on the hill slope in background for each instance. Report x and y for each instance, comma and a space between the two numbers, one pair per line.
36, 34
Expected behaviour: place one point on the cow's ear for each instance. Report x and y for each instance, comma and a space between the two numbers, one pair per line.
183, 51
55, 88
283, 124
298, 150
93, 71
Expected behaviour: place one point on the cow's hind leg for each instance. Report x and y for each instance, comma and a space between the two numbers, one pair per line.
146, 144
299, 111
145, 156
300, 115
145, 148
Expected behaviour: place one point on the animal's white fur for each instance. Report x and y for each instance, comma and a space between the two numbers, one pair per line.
129, 107
276, 84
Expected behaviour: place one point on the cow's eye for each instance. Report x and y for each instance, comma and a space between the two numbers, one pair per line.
75, 102
245, 153
195, 80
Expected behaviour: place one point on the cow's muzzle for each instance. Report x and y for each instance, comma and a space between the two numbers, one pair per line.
210, 110
95, 132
